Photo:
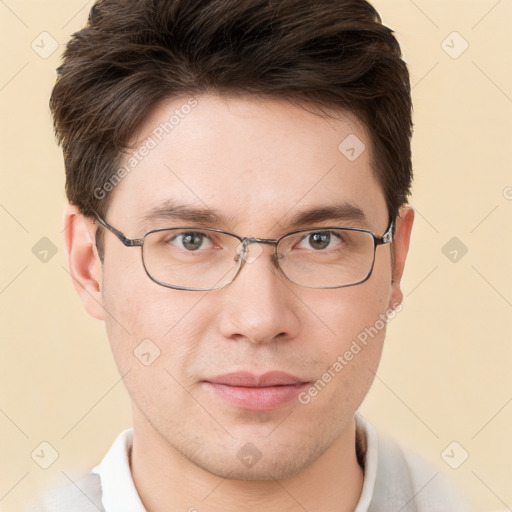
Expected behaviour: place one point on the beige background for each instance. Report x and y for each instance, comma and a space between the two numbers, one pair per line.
445, 375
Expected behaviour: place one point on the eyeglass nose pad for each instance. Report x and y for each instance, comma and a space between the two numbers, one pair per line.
242, 251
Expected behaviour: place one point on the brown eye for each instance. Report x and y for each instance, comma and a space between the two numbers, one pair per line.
319, 241
190, 241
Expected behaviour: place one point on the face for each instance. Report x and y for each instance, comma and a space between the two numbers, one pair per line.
257, 165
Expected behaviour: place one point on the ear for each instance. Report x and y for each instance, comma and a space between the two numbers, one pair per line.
400, 248
83, 259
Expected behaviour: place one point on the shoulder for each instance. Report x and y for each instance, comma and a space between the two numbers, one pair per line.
397, 479
84, 495
406, 478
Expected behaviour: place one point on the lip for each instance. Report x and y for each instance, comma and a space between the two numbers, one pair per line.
257, 392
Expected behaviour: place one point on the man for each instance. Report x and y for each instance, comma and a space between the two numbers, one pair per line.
238, 175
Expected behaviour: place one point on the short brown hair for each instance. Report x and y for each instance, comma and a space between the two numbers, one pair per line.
134, 53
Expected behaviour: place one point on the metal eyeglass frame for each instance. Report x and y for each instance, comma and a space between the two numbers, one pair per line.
387, 237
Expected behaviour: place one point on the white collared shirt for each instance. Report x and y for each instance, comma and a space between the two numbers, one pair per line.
119, 493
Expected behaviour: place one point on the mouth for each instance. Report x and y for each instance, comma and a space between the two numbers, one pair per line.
264, 392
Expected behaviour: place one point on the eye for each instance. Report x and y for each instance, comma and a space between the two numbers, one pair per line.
192, 241
320, 240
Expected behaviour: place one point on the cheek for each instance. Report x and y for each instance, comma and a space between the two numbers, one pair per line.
154, 335
148, 324
349, 312
357, 320
349, 360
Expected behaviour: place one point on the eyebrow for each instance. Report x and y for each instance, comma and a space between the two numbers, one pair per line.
173, 210
344, 212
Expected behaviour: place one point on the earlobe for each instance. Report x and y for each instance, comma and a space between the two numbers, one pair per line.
83, 260
400, 247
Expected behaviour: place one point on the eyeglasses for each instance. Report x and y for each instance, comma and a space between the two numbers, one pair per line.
202, 259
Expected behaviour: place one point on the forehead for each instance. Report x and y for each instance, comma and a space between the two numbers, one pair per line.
256, 162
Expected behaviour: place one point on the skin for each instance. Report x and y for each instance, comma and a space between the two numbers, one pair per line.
257, 163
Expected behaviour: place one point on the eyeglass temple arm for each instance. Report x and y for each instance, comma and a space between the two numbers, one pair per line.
129, 242
388, 235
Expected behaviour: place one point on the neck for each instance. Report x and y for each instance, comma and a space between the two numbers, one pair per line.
167, 480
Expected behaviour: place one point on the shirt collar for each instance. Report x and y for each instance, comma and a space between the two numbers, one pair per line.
368, 444
118, 490
120, 495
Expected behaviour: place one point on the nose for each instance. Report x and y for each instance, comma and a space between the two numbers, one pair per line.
259, 305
